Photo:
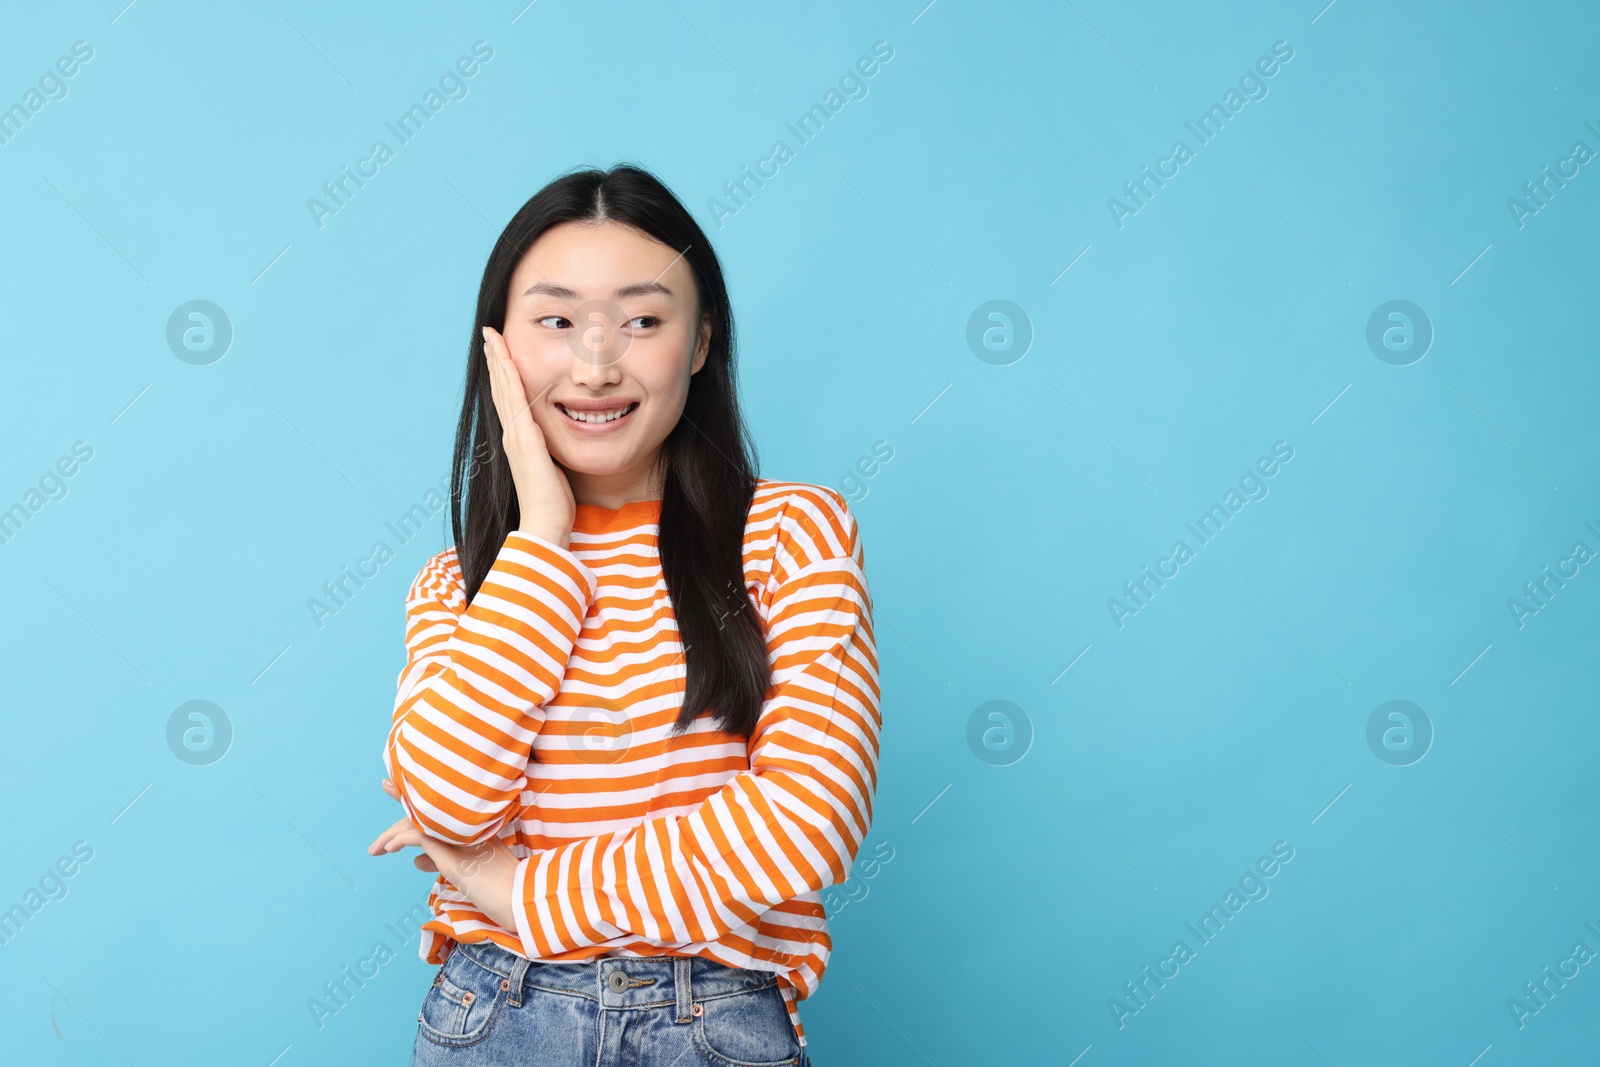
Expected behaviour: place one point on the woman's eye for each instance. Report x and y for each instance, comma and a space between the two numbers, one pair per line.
553, 318
653, 320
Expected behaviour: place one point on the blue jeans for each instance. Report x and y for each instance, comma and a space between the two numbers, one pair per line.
490, 1006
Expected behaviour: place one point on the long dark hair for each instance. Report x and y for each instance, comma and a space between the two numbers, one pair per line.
708, 460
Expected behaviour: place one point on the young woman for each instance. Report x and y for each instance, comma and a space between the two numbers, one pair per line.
637, 729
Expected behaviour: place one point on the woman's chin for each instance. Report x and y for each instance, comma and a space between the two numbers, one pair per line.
590, 466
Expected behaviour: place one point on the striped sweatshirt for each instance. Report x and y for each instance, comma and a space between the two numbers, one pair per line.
540, 714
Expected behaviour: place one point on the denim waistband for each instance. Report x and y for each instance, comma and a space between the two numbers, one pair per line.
645, 982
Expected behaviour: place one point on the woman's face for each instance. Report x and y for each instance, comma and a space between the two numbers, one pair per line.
602, 319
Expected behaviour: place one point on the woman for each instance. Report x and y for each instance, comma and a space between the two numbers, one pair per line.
637, 729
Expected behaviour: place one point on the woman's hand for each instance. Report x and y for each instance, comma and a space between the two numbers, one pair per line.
483, 872
422, 861
544, 496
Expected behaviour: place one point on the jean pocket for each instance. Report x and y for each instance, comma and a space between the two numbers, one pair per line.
749, 1029
463, 1003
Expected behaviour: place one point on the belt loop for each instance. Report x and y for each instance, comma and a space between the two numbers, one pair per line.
681, 966
518, 971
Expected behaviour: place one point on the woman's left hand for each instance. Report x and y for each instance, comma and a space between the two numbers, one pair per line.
404, 833
483, 872
393, 836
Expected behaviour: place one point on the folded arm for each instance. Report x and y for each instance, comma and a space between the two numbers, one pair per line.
792, 823
470, 700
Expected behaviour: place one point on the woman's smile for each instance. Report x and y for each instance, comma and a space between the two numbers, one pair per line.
592, 420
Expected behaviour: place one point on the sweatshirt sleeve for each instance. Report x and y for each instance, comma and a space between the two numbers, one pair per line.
470, 700
789, 824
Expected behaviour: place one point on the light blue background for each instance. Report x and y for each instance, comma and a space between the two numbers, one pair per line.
1228, 314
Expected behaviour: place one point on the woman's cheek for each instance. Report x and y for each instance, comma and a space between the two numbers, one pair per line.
536, 380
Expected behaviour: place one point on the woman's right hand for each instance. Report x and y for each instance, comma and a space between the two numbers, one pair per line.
544, 495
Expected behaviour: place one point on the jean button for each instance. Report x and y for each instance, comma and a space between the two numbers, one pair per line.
618, 981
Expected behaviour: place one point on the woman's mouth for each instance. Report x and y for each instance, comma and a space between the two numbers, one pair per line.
598, 421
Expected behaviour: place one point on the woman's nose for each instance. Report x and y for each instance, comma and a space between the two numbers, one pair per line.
590, 367
598, 339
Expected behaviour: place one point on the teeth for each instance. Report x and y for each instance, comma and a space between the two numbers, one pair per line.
596, 418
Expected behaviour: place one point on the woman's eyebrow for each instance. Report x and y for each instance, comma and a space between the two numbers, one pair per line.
643, 289
636, 289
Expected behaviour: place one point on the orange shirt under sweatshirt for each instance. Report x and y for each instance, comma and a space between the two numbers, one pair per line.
540, 714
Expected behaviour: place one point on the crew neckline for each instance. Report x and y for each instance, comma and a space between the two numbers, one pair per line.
592, 518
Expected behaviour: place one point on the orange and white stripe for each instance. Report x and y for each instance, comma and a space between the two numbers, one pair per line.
540, 714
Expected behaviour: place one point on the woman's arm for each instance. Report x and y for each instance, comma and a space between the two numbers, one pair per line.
791, 823
469, 701
483, 871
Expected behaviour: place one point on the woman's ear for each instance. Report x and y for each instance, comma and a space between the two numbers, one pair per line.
703, 345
